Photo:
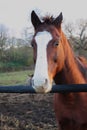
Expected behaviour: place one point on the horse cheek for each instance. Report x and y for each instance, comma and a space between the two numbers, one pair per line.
60, 59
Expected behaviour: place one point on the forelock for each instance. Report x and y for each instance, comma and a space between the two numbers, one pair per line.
48, 19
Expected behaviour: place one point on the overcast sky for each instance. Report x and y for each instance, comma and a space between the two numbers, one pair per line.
16, 13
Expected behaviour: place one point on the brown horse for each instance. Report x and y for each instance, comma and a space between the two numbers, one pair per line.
55, 60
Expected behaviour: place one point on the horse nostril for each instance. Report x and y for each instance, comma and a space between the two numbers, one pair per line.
46, 81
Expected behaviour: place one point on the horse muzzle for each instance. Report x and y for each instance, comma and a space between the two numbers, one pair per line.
43, 85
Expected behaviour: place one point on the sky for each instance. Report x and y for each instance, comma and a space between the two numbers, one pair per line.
15, 14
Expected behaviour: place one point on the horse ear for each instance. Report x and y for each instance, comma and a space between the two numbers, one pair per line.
57, 22
35, 20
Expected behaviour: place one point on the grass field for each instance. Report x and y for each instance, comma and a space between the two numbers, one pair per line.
12, 78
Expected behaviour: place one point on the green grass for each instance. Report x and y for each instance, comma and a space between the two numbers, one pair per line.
14, 78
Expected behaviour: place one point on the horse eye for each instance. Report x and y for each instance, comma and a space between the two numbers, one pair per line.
56, 43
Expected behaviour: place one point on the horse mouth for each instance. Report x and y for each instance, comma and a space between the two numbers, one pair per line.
45, 88
42, 89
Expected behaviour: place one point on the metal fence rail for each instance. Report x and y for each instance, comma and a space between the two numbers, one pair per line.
55, 88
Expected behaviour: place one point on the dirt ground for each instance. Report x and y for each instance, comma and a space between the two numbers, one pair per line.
27, 112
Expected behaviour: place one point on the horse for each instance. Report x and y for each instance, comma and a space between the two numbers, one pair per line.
55, 61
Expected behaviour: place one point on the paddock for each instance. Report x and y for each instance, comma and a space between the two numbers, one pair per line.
20, 112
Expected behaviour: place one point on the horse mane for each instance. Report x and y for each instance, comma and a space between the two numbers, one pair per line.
82, 65
83, 60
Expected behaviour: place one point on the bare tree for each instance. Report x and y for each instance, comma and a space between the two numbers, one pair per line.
77, 34
3, 39
82, 34
27, 35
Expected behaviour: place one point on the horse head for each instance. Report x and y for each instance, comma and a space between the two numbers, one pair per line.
47, 51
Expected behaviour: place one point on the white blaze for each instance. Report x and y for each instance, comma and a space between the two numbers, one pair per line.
41, 68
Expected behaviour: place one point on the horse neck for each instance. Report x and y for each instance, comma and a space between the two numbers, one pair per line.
70, 73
